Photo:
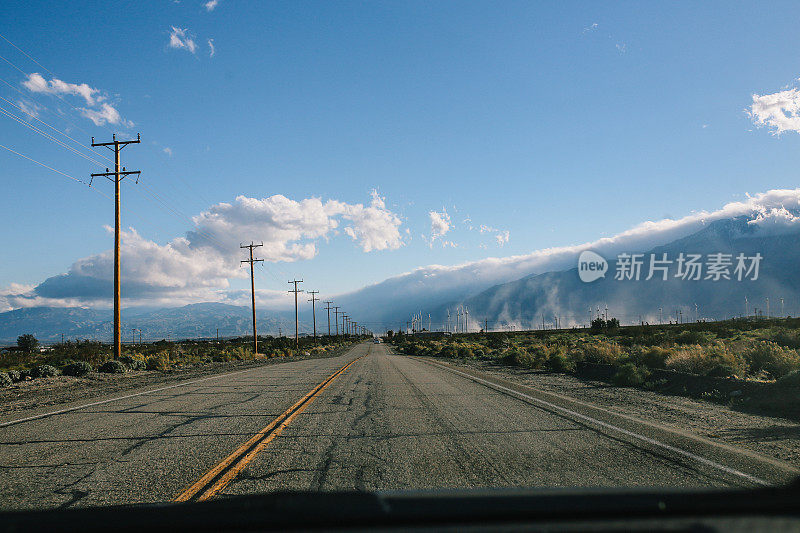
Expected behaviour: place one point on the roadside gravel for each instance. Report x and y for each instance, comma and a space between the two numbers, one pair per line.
769, 436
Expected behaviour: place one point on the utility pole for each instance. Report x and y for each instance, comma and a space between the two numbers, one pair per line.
344, 324
253, 288
486, 325
782, 315
117, 176
217, 335
335, 318
328, 308
313, 301
295, 291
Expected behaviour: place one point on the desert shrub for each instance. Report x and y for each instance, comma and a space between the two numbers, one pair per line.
5, 380
557, 361
703, 359
514, 356
133, 363
539, 354
629, 375
497, 340
653, 357
448, 350
770, 357
160, 362
76, 368
43, 371
479, 353
601, 351
465, 352
788, 338
112, 367
15, 375
694, 337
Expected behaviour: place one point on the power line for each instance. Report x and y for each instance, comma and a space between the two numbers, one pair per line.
48, 136
53, 93
34, 117
25, 54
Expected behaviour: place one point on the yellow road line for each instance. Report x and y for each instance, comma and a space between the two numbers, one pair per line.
223, 473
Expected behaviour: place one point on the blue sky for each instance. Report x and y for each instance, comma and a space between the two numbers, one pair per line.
558, 123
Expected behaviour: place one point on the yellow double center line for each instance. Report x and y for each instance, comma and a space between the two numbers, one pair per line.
218, 477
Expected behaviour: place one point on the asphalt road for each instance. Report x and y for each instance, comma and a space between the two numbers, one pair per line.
385, 422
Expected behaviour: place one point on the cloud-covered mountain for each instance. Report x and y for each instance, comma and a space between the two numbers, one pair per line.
425, 289
562, 297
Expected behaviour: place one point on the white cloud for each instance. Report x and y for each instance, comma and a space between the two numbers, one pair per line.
440, 225
106, 114
622, 47
182, 39
29, 108
167, 150
779, 111
502, 237
37, 84
97, 109
198, 267
211, 49
588, 29
373, 227
211, 5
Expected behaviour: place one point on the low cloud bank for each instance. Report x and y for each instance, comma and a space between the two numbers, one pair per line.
198, 266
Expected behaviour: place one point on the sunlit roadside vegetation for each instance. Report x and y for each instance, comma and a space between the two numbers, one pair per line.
762, 350
79, 358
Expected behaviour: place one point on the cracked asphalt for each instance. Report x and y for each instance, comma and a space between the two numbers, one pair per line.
388, 422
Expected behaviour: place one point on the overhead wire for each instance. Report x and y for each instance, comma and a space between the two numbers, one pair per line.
82, 182
48, 136
43, 106
148, 190
188, 186
34, 117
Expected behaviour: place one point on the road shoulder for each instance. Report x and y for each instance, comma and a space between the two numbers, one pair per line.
700, 427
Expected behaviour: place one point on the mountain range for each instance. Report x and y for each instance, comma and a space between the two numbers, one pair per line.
500, 293
201, 320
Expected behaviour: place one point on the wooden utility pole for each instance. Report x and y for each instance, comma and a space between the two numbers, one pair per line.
313, 301
117, 176
295, 291
252, 261
328, 308
336, 318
